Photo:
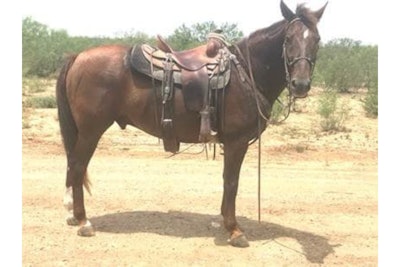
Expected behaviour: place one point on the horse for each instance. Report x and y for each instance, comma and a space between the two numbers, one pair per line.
97, 87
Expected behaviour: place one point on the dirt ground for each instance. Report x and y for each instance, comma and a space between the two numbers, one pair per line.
319, 203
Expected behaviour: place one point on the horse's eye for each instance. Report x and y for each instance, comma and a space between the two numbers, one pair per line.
289, 38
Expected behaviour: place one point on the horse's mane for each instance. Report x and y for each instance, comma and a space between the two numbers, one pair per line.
268, 33
306, 15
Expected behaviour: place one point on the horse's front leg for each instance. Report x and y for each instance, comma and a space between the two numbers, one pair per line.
234, 153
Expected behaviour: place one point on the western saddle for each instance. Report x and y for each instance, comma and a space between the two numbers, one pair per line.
196, 58
196, 71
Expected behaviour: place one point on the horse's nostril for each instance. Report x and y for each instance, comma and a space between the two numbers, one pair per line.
301, 84
307, 84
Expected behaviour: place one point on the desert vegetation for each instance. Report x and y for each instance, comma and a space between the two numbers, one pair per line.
344, 66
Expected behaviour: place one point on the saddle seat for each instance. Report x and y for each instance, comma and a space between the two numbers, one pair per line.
195, 58
190, 60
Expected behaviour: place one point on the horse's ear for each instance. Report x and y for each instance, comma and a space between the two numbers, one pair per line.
286, 12
318, 13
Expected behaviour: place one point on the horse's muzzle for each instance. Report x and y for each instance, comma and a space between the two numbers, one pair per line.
300, 87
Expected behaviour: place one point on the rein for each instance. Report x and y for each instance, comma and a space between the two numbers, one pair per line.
260, 114
253, 85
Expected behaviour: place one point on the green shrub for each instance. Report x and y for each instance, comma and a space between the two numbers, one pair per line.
41, 102
333, 119
344, 64
371, 102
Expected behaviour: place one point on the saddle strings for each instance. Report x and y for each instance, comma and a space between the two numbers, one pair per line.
155, 92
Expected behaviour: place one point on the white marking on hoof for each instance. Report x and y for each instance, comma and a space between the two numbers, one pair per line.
87, 229
87, 224
68, 200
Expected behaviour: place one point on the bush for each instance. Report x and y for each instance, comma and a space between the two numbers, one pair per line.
41, 102
332, 118
42, 48
371, 102
344, 64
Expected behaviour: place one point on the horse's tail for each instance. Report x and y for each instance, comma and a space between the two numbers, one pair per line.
69, 131
68, 128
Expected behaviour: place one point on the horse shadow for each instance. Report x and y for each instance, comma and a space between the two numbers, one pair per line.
188, 225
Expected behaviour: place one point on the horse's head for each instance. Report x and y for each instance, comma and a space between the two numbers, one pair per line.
300, 47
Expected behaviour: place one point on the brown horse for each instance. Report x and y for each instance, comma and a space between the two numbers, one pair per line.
97, 88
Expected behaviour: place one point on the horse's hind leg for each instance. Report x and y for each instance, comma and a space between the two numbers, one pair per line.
78, 161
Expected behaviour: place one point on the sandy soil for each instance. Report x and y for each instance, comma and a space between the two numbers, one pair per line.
319, 198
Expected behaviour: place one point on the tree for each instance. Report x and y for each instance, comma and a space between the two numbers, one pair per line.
344, 64
338, 64
185, 37
42, 48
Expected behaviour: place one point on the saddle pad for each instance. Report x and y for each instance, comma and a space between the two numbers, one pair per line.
138, 62
156, 56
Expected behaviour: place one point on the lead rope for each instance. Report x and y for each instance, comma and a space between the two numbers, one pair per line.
260, 114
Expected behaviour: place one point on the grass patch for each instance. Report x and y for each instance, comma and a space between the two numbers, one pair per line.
26, 113
40, 102
35, 85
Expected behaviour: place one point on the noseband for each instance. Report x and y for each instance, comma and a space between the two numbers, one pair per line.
289, 63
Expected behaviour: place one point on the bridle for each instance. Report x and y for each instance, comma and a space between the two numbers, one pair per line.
289, 63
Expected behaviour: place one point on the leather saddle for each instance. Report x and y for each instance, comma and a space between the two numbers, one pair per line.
193, 59
196, 70
205, 56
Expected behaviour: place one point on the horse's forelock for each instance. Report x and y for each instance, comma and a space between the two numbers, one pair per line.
307, 16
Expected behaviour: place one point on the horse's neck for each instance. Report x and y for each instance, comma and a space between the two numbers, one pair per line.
267, 63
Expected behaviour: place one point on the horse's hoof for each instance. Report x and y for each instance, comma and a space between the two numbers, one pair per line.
239, 241
71, 220
86, 230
